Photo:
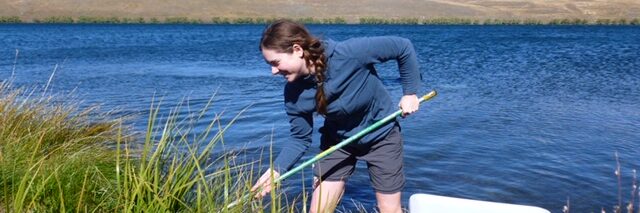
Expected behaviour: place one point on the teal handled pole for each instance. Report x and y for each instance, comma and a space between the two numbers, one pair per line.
355, 137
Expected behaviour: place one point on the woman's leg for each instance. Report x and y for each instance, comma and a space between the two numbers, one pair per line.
333, 170
326, 196
386, 171
389, 203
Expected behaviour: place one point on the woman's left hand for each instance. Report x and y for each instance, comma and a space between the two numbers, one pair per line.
409, 104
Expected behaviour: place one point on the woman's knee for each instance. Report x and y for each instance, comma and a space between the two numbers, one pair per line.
389, 203
326, 195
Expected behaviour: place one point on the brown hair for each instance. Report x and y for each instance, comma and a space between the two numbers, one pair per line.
281, 35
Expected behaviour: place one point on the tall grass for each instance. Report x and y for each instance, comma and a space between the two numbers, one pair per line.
53, 157
166, 179
57, 157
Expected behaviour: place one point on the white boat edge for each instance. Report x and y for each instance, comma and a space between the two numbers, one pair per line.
419, 203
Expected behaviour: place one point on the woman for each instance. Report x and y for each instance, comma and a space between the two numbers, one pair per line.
338, 81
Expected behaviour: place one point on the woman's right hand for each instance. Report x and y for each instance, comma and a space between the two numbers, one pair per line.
264, 184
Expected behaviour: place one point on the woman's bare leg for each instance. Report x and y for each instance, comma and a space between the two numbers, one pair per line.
389, 203
326, 196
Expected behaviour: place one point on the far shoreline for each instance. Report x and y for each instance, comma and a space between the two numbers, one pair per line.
310, 20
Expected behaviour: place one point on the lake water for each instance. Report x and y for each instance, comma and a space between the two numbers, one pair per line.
525, 114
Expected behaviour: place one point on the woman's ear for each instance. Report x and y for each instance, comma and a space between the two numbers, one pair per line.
298, 51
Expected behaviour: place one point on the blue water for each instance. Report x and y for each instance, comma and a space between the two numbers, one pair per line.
525, 114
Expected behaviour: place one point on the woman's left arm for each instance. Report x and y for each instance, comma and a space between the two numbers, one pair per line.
384, 48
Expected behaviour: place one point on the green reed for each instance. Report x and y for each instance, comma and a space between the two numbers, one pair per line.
53, 157
57, 157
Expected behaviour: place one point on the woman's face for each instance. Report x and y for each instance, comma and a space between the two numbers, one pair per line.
290, 65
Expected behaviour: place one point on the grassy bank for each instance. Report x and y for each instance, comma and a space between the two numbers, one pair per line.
53, 157
310, 20
57, 157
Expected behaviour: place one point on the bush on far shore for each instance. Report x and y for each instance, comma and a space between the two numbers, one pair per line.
10, 20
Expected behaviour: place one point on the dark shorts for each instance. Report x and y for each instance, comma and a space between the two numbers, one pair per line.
383, 157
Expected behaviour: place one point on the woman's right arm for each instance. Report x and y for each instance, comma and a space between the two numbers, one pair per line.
300, 140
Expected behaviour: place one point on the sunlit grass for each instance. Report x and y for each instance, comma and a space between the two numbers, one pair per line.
57, 157
53, 157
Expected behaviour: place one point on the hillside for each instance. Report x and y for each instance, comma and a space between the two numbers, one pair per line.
351, 10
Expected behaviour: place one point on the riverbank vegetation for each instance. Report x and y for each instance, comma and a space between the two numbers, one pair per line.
311, 20
55, 156
58, 157
168, 20
469, 21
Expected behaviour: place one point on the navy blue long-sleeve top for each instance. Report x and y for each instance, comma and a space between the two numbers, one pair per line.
355, 94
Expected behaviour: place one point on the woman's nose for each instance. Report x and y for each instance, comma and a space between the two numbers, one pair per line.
274, 70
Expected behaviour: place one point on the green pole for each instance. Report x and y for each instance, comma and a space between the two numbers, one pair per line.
355, 137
